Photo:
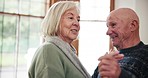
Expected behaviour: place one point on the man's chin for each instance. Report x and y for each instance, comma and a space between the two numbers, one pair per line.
114, 44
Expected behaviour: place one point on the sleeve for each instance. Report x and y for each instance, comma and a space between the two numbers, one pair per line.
95, 75
126, 74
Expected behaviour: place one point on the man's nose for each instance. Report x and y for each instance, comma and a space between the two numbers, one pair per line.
109, 31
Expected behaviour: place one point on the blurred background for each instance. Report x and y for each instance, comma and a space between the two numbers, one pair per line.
20, 31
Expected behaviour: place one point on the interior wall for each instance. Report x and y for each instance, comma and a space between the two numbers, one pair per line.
140, 6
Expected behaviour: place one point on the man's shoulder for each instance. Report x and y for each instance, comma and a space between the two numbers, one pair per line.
145, 47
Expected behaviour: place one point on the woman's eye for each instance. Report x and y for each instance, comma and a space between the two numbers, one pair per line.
78, 20
70, 17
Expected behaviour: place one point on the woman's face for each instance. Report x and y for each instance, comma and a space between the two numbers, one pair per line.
69, 25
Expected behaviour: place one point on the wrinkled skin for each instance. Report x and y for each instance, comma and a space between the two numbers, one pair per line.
69, 25
123, 29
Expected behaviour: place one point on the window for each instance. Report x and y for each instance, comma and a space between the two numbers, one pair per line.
93, 41
19, 34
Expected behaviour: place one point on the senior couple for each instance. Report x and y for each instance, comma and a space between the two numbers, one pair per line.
56, 57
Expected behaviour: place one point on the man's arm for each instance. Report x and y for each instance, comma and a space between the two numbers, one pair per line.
95, 75
126, 74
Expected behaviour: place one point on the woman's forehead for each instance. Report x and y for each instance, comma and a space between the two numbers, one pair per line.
71, 11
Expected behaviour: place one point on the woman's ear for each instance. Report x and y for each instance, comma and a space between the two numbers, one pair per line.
133, 25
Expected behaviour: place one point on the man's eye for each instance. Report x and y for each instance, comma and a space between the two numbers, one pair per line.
113, 25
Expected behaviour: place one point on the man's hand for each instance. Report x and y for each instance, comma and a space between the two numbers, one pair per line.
108, 66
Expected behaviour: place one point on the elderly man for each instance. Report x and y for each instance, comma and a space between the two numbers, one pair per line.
131, 60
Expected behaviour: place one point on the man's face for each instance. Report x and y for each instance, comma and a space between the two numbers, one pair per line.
118, 30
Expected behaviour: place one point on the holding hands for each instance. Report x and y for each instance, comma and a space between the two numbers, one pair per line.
109, 66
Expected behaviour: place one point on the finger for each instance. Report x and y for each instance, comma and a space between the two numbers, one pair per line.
119, 57
108, 56
106, 61
109, 71
102, 56
104, 77
107, 65
104, 74
112, 50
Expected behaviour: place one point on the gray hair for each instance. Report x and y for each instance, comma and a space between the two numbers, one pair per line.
51, 22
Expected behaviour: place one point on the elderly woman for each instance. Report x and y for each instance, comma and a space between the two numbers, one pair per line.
56, 57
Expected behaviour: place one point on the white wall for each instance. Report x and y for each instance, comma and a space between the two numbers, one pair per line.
140, 6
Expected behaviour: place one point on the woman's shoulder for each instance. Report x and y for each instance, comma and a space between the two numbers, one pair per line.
48, 46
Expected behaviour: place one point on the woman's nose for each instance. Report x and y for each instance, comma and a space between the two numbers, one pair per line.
76, 23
